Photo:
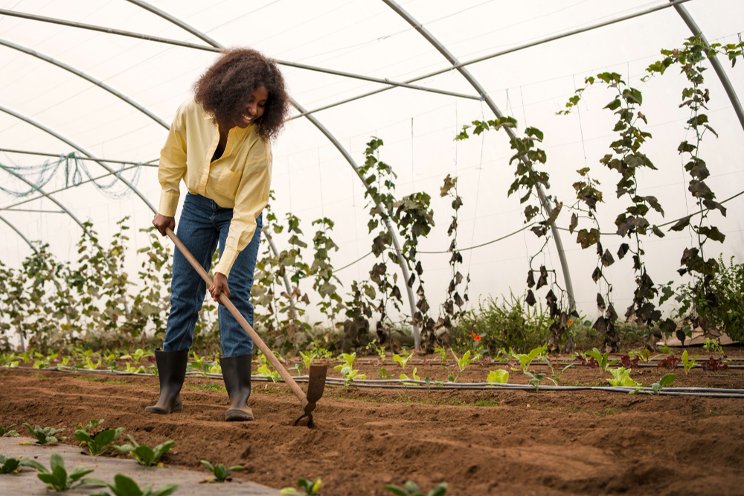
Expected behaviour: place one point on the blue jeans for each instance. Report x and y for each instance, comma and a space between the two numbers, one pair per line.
204, 224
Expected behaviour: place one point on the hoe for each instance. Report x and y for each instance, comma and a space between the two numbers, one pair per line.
316, 383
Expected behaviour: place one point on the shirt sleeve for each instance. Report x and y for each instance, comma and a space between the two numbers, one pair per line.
250, 200
172, 165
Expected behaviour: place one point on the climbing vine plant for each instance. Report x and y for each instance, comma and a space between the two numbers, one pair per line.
695, 97
540, 213
627, 159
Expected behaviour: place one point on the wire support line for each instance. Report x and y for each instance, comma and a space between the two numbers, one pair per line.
195, 46
78, 157
689, 216
419, 385
352, 263
37, 211
499, 54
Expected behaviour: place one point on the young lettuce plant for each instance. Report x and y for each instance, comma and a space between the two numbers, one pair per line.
499, 376
402, 360
621, 377
463, 361
308, 487
665, 381
525, 359
44, 435
99, 442
144, 454
265, 369
347, 368
414, 377
220, 472
9, 465
56, 477
411, 489
8, 431
124, 486
687, 362
603, 359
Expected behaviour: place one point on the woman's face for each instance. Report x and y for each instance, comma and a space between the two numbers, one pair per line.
255, 107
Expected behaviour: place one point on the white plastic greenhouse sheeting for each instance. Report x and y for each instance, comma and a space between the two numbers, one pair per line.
312, 179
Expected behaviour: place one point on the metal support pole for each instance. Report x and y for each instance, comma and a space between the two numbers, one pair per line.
19, 233
492, 105
717, 66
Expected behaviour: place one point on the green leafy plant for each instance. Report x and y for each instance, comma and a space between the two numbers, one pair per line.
499, 376
220, 472
308, 358
347, 368
666, 381
462, 361
44, 435
264, 368
144, 454
97, 441
621, 377
308, 488
526, 359
8, 431
410, 488
9, 465
56, 476
688, 362
414, 376
401, 359
603, 359
124, 486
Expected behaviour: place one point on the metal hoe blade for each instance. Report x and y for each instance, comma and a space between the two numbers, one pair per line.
315, 388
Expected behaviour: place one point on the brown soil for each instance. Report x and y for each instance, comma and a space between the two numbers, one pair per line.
480, 442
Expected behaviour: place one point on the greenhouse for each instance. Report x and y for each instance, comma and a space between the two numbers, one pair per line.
505, 233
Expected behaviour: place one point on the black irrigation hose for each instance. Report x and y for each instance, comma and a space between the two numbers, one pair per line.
472, 386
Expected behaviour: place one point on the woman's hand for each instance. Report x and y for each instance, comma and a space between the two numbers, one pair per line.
163, 222
219, 286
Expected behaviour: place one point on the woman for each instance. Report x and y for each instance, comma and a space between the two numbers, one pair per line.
219, 144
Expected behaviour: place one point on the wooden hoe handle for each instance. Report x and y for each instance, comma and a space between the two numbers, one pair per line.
241, 320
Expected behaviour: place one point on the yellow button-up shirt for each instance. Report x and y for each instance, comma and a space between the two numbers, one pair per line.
240, 179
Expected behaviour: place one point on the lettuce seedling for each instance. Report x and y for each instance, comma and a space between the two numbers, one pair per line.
124, 486
463, 361
665, 381
308, 358
144, 454
525, 360
621, 377
411, 489
347, 368
687, 362
308, 487
56, 477
44, 435
220, 472
96, 442
414, 377
265, 369
499, 376
9, 465
8, 431
603, 359
402, 360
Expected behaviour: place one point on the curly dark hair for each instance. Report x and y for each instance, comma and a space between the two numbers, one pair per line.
225, 88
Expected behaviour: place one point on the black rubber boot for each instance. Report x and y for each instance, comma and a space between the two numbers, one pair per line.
236, 371
171, 372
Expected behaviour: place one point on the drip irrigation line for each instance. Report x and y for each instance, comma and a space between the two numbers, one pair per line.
419, 385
